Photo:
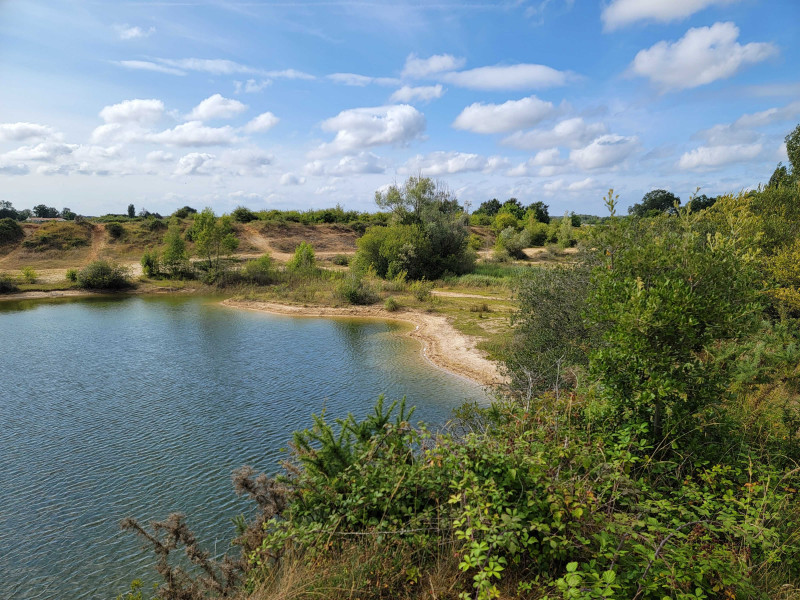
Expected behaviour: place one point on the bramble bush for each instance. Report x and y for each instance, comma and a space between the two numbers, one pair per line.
103, 275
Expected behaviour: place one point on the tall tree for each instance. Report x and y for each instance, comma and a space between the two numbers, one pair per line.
793, 150
655, 202
131, 210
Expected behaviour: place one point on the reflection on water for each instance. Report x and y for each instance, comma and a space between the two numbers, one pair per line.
114, 407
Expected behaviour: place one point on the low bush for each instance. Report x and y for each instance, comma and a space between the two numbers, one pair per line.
7, 284
260, 271
341, 259
304, 258
72, 275
243, 215
103, 275
421, 290
29, 274
513, 242
115, 230
151, 265
354, 290
391, 305
10, 231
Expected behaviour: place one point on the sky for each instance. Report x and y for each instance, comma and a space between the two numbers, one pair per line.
310, 104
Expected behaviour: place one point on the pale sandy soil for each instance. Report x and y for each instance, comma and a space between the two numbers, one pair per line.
442, 345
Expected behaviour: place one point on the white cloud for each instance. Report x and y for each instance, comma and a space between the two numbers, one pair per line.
605, 151
543, 164
511, 115
769, 116
24, 131
560, 185
126, 32
361, 164
620, 13
288, 74
712, 157
159, 156
194, 133
450, 163
216, 107
245, 162
573, 133
360, 128
45, 152
355, 80
194, 163
424, 67
703, 55
215, 66
424, 93
722, 135
14, 169
292, 179
262, 123
251, 86
146, 65
143, 112
511, 77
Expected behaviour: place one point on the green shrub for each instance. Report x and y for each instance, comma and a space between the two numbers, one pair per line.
260, 271
115, 230
504, 220
304, 259
243, 215
10, 231
421, 290
103, 275
59, 236
391, 305
513, 242
539, 233
153, 224
475, 241
341, 259
72, 275
151, 265
29, 274
7, 284
354, 290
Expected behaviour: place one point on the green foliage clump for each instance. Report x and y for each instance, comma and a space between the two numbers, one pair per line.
539, 233
304, 259
151, 263
185, 212
103, 275
58, 236
655, 202
421, 290
391, 304
10, 231
513, 242
72, 275
174, 256
260, 271
214, 241
341, 260
7, 284
243, 215
115, 230
353, 289
29, 274
503, 221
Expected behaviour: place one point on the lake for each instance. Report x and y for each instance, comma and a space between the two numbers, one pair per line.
142, 406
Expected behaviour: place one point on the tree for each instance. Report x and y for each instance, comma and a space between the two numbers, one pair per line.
793, 150
490, 207
131, 211
7, 210
538, 210
700, 202
45, 212
513, 207
175, 258
68, 214
213, 238
655, 202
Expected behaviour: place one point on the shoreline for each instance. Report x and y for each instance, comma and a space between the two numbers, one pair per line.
442, 345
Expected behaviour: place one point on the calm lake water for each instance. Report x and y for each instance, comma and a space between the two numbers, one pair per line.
144, 406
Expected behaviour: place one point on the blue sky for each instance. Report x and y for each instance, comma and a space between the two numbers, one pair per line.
309, 104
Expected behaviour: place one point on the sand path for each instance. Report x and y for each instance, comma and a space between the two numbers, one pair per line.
442, 344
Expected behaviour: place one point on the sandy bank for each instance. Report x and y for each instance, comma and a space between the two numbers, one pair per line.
442, 345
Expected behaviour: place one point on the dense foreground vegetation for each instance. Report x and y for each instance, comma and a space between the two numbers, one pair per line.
647, 446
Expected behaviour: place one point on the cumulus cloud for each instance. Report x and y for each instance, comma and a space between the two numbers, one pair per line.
450, 163
363, 163
714, 157
355, 80
246, 161
419, 68
543, 164
45, 152
24, 131
560, 186
703, 55
573, 133
511, 77
424, 93
143, 112
292, 179
195, 163
13, 169
159, 156
496, 118
262, 123
194, 133
360, 128
216, 107
769, 116
127, 32
605, 151
620, 13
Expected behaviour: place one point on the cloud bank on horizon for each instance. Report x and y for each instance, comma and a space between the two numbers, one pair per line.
307, 105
